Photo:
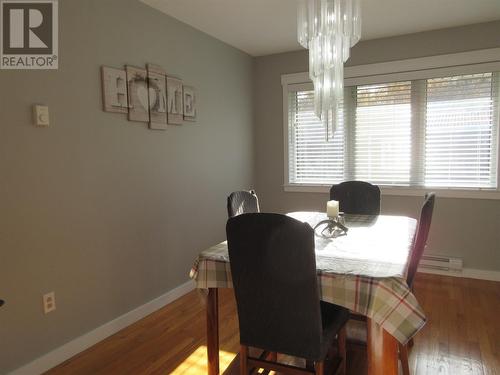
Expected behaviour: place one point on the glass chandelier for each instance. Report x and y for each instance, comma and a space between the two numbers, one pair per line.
328, 28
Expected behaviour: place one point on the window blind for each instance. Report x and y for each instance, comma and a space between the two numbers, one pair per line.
436, 132
460, 139
312, 158
382, 143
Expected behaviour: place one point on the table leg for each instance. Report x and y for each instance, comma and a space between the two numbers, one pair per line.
213, 331
382, 351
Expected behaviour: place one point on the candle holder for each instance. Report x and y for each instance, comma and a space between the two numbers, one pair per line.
334, 227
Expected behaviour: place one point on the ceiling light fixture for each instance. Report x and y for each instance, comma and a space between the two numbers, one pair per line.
328, 28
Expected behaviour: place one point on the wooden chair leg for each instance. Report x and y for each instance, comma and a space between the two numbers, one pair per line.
341, 342
403, 356
309, 365
411, 343
320, 367
244, 360
273, 356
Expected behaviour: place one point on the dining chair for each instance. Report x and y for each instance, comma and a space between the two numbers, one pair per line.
356, 327
273, 268
242, 202
420, 242
357, 197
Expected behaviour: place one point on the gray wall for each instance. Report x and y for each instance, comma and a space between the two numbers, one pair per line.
103, 211
478, 242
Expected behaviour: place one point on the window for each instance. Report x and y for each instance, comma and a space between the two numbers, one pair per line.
312, 160
382, 136
460, 132
436, 132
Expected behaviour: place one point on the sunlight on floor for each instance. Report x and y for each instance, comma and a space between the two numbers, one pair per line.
441, 363
196, 363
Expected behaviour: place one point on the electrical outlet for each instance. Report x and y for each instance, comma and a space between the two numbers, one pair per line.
49, 302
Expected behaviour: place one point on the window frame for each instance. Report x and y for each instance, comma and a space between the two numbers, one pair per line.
480, 61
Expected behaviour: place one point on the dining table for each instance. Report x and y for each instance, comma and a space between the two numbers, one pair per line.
362, 269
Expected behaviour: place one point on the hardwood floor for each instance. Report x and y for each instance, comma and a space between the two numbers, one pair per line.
462, 336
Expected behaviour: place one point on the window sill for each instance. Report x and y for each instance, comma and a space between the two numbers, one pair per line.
405, 191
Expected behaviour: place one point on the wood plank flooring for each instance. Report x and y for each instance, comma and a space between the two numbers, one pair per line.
462, 336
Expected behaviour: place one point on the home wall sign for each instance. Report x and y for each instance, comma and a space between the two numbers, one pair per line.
148, 95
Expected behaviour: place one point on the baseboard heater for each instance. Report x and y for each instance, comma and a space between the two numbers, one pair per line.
440, 264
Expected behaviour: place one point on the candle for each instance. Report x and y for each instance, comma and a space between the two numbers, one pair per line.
332, 209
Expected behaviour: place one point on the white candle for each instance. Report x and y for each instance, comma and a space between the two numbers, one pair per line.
332, 208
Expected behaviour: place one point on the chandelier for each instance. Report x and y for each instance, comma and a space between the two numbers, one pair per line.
328, 28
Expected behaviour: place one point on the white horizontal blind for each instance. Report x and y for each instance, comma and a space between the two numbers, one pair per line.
311, 158
439, 132
382, 144
460, 139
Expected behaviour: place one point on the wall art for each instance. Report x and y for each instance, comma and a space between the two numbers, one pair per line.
174, 100
189, 102
138, 94
148, 95
114, 90
157, 95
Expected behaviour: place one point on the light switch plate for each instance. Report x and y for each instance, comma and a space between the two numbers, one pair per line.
41, 115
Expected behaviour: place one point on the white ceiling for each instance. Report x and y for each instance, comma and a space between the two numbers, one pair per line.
262, 27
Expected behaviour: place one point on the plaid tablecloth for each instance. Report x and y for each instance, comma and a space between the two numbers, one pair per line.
363, 271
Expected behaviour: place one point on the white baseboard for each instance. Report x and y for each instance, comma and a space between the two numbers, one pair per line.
85, 341
468, 273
